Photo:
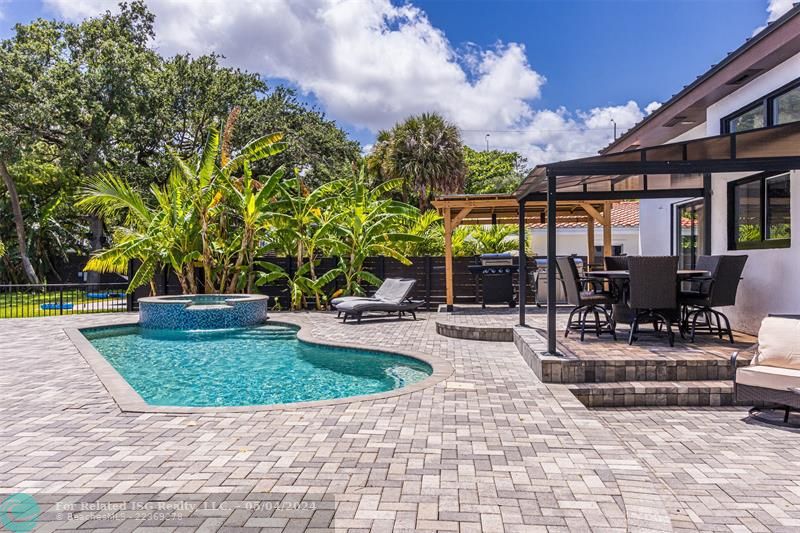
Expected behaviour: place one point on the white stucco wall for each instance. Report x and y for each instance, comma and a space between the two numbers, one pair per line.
573, 240
655, 215
767, 285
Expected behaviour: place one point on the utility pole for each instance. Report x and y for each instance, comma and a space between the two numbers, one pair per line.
487, 142
614, 122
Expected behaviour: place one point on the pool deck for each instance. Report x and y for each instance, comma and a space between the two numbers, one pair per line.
491, 448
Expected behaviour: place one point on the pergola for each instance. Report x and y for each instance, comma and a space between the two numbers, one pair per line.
485, 209
675, 170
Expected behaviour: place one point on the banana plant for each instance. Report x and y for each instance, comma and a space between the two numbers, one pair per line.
367, 225
206, 175
250, 201
308, 220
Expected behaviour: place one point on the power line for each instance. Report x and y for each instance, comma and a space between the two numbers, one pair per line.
537, 130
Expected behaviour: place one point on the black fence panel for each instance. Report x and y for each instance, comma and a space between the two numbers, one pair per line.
429, 271
22, 301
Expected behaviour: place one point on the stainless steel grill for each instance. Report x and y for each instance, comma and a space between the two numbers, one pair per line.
540, 282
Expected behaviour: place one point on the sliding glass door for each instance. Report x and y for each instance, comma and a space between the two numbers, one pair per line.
689, 232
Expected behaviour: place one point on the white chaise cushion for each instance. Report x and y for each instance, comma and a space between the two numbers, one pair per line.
768, 377
778, 343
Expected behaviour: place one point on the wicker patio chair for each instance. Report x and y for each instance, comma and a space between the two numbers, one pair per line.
653, 294
772, 379
616, 262
718, 290
585, 302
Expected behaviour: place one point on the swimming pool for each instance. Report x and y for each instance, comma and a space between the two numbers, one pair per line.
246, 366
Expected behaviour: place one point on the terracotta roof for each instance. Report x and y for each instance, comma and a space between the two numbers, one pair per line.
623, 214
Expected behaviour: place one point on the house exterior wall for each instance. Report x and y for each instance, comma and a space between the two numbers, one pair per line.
656, 215
767, 285
573, 240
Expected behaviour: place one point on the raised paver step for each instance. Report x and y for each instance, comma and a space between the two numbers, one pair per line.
653, 393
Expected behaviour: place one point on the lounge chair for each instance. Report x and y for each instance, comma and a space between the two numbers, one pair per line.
395, 299
383, 291
773, 375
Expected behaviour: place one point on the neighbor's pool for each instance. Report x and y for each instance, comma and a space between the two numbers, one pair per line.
248, 366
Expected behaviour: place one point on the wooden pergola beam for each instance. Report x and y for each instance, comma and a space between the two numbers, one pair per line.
504, 209
608, 250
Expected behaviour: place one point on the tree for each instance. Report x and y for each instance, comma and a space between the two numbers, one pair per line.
68, 92
425, 151
366, 224
493, 171
315, 146
206, 212
94, 97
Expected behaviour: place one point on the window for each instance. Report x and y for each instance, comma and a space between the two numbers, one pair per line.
759, 213
786, 107
778, 226
779, 107
748, 120
688, 232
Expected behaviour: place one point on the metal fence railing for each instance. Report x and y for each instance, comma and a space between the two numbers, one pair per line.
22, 301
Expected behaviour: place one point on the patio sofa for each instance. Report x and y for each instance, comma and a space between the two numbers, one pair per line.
773, 376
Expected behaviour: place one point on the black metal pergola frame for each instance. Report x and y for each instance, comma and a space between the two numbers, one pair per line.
781, 155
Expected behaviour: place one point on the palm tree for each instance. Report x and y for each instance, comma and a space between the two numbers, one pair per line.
426, 151
204, 213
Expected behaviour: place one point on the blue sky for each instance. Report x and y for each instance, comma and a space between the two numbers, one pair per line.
542, 77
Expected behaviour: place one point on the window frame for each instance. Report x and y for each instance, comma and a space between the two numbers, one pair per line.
767, 101
763, 243
676, 228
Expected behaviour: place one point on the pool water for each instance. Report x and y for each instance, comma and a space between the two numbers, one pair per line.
246, 366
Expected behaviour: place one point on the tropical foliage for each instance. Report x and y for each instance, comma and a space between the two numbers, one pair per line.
493, 171
183, 164
215, 215
426, 153
78, 100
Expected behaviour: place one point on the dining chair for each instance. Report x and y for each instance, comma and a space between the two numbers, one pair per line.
616, 262
653, 294
718, 291
585, 302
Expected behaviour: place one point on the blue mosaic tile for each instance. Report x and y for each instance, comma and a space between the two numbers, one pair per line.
202, 311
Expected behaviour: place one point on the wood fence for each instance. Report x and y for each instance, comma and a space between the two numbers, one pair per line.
428, 271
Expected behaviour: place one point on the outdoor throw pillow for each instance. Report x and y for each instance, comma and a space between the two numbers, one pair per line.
779, 343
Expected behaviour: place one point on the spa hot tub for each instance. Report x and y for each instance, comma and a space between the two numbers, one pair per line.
203, 311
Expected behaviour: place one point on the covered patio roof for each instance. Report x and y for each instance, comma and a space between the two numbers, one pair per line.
668, 170
675, 170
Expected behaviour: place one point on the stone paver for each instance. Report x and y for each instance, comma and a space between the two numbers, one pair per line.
490, 449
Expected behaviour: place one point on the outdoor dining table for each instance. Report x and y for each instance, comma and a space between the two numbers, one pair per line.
620, 310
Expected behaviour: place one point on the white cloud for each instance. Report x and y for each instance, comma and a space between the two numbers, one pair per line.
775, 9
371, 64
652, 106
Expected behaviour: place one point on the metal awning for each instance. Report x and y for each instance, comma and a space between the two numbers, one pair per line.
668, 168
676, 170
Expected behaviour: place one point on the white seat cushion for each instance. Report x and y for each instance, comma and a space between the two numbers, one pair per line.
769, 377
779, 343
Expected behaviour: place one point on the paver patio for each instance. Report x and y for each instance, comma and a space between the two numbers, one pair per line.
489, 449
